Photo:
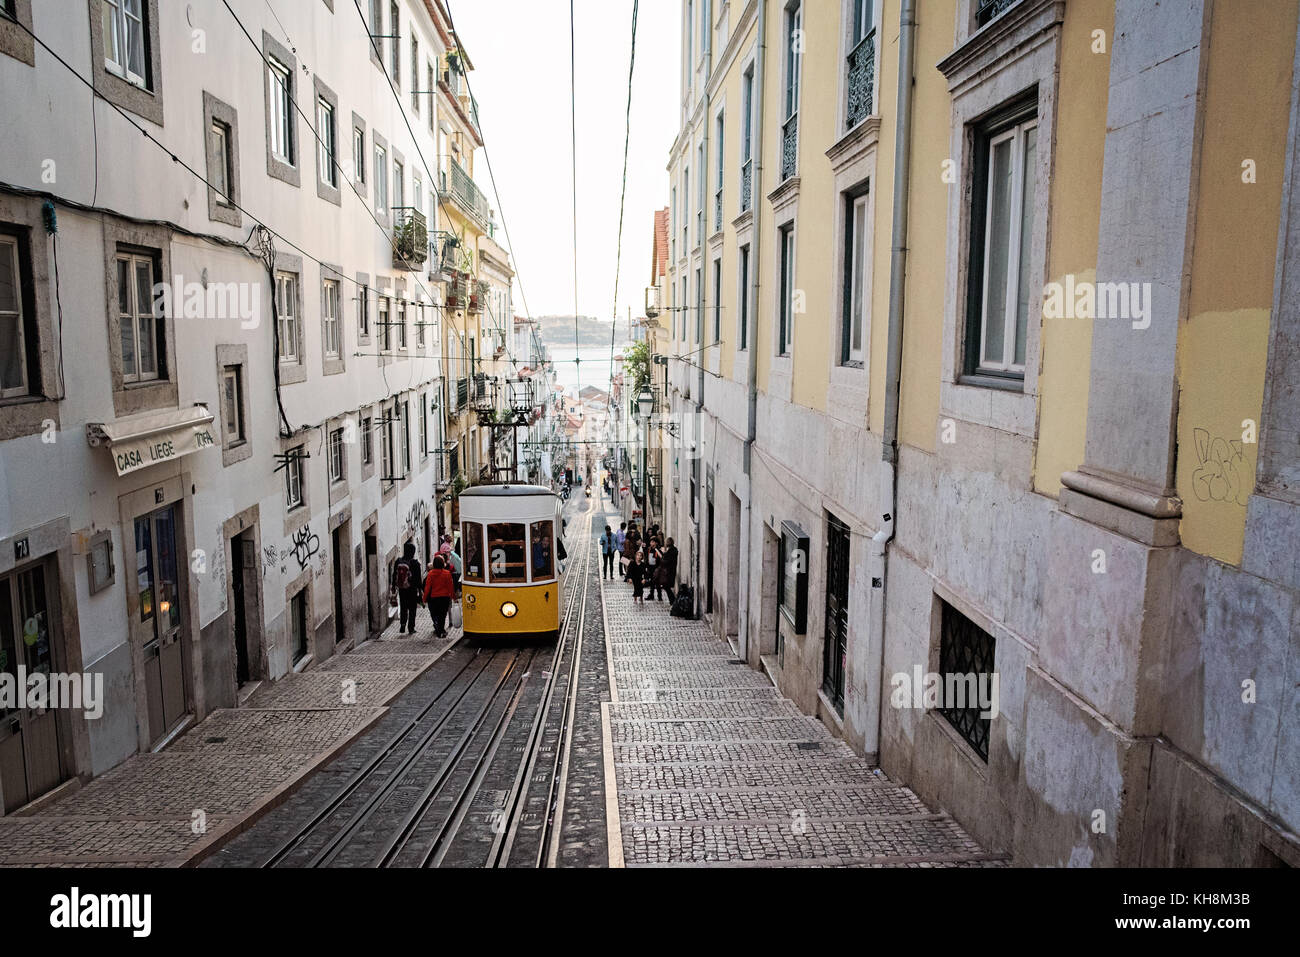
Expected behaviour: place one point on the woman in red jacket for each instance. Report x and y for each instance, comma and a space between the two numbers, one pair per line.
438, 592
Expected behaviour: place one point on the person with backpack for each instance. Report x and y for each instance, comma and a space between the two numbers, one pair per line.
607, 549
405, 577
438, 592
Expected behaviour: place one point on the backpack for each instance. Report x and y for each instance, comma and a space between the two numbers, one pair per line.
403, 570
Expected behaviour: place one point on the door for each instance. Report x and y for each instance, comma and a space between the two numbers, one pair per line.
158, 585
372, 583
338, 548
31, 755
708, 594
837, 611
241, 547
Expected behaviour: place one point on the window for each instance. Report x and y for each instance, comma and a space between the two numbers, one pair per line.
219, 172
330, 317
18, 353
325, 132
293, 478
7, 9
298, 625
792, 583
686, 208
386, 445
471, 543
367, 441
836, 638
542, 535
717, 194
966, 659
125, 38
359, 155
856, 272
717, 300
794, 41
417, 190
506, 552
747, 140
401, 323
419, 326
138, 315
423, 400
399, 181
338, 461
415, 75
785, 330
673, 217
431, 80
281, 111
232, 404
395, 44
376, 18
743, 298
699, 309
286, 306
385, 340
404, 416
682, 309
703, 197
381, 179
1001, 229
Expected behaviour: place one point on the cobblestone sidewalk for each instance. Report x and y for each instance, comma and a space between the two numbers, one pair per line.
167, 809
713, 766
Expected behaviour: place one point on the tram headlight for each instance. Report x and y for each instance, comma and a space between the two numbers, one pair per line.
509, 609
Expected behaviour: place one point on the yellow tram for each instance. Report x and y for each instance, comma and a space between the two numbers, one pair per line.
510, 546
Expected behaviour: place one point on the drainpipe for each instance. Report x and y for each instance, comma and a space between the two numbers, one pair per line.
893, 363
751, 431
703, 223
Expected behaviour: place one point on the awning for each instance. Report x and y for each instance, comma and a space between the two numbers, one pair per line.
139, 441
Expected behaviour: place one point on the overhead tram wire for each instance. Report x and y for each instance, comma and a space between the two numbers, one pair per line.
627, 138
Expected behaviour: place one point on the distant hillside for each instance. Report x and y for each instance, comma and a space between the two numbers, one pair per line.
557, 332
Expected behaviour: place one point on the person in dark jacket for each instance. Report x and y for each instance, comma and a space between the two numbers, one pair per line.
405, 576
438, 593
670, 570
636, 572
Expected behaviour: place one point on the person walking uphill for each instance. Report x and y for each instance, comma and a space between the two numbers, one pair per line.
438, 592
607, 549
405, 578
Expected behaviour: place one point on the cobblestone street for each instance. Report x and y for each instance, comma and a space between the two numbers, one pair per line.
713, 766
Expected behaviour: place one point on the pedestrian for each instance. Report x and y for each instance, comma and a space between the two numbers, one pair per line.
607, 554
405, 578
651, 564
629, 552
620, 536
438, 592
452, 557
636, 575
670, 570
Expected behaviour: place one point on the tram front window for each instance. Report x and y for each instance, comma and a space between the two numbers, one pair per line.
506, 552
472, 560
543, 550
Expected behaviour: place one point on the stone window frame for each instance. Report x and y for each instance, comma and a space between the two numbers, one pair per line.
26, 414
299, 515
218, 111
293, 372
332, 365
368, 469
162, 392
147, 103
362, 288
14, 40
340, 427
234, 355
853, 167
331, 194
275, 167
1015, 54
360, 185
373, 32
377, 141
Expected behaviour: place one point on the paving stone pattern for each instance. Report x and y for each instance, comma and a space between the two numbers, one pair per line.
714, 767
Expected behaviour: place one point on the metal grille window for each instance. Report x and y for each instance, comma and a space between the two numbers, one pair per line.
286, 307
965, 650
138, 315
337, 459
325, 133
989, 9
330, 317
747, 140
835, 648
793, 68
792, 583
861, 66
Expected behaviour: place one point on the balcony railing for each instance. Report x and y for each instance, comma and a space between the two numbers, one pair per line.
988, 9
462, 393
463, 191
747, 186
410, 238
790, 147
861, 80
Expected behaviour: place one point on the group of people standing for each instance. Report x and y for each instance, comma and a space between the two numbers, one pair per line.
439, 587
646, 561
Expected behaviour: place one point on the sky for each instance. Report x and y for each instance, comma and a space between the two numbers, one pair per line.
520, 52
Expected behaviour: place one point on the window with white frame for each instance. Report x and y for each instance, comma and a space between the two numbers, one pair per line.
717, 300
17, 331
286, 307
415, 75
381, 179
423, 401
126, 37
431, 80
742, 297
417, 190
232, 404
220, 172
747, 139
386, 445
363, 312
385, 339
686, 208
699, 308
367, 440
338, 459
293, 478
702, 167
399, 184
857, 271
359, 155
1002, 213
325, 132
401, 323
404, 413
395, 42
785, 313
330, 318
719, 131
281, 110
139, 317
419, 325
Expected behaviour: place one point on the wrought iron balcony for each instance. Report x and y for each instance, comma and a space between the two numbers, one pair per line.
747, 186
790, 147
461, 189
861, 80
989, 9
410, 238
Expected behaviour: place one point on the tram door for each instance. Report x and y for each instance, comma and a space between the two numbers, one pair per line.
30, 752
161, 614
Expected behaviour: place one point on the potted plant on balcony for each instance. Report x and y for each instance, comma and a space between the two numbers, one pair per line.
410, 243
478, 291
